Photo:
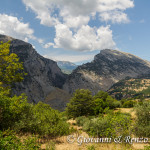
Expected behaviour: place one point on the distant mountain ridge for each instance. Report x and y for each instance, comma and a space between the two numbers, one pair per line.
66, 66
107, 68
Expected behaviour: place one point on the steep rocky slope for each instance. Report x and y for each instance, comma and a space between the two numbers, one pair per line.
43, 74
107, 68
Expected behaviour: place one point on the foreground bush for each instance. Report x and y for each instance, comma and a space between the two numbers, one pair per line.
18, 115
12, 110
106, 126
142, 127
9, 141
43, 120
81, 120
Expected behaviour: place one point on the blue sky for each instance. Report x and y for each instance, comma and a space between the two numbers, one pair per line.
76, 30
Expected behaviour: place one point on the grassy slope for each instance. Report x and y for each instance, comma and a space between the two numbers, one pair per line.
131, 88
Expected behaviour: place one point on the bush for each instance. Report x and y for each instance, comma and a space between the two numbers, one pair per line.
103, 101
84, 121
116, 104
146, 147
81, 120
129, 104
142, 126
107, 126
17, 114
43, 120
11, 110
9, 141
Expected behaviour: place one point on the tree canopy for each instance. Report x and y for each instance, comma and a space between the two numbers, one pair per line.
84, 104
11, 70
80, 104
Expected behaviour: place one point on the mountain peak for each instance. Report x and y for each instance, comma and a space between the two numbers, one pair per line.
116, 53
107, 68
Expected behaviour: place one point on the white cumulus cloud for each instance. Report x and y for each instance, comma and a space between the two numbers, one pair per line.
46, 9
114, 17
71, 21
85, 39
10, 25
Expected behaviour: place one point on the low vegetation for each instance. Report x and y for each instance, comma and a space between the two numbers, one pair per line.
112, 125
142, 124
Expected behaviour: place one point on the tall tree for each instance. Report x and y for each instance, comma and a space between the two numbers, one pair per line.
11, 70
80, 104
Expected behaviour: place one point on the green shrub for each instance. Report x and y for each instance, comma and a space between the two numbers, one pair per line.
9, 141
116, 104
142, 126
146, 147
43, 120
107, 126
129, 104
81, 120
103, 101
17, 114
11, 110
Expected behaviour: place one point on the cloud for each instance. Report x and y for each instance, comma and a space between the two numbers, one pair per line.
110, 5
76, 22
85, 39
70, 58
10, 25
47, 45
114, 17
50, 11
71, 21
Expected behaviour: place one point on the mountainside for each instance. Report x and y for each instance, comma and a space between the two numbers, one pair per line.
43, 74
66, 66
108, 72
131, 88
107, 68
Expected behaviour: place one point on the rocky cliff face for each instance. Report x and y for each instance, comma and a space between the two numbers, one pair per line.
107, 68
43, 74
